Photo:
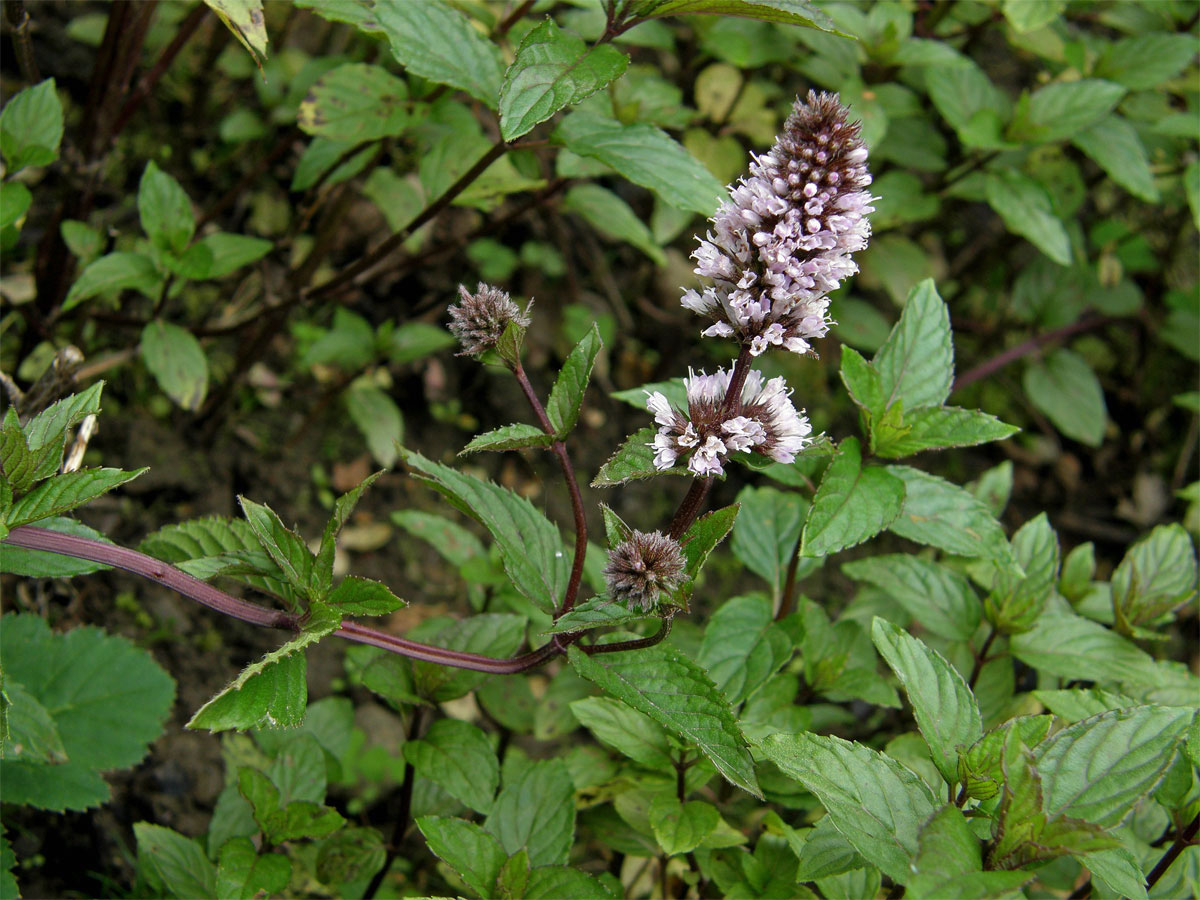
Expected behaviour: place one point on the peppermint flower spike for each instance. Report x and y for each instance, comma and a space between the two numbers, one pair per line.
763, 422
784, 238
480, 319
644, 567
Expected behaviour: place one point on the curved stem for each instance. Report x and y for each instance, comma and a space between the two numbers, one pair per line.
622, 646
1012, 354
564, 462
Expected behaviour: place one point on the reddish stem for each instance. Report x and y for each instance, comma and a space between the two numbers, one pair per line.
1012, 354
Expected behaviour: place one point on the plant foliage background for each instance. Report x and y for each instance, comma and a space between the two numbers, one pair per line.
949, 651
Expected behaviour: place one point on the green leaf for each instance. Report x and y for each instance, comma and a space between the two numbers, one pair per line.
1117, 872
768, 528
47, 428
416, 340
787, 12
283, 545
873, 800
943, 515
743, 646
31, 734
216, 255
1025, 207
949, 862
552, 70
567, 394
703, 536
535, 810
355, 102
613, 218
469, 850
378, 419
675, 692
864, 384
916, 364
964, 95
1059, 110
455, 544
64, 492
165, 210
458, 757
1073, 705
357, 596
495, 634
634, 460
8, 862
517, 436
108, 698
1064, 387
1017, 600
852, 504
352, 854
1025, 17
115, 272
979, 768
42, 564
1144, 61
245, 19
439, 43
242, 873
31, 127
824, 852
938, 597
554, 882
14, 202
596, 612
177, 362
271, 693
943, 705
1075, 648
1099, 768
646, 156
681, 827
1157, 575
529, 543
323, 564
83, 240
281, 818
322, 154
1113, 144
629, 732
175, 862
938, 428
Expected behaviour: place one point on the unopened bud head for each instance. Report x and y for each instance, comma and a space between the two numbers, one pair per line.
642, 568
479, 319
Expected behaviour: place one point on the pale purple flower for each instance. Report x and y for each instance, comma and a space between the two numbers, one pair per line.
764, 422
783, 240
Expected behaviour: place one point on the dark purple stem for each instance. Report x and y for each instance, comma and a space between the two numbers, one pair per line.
33, 538
564, 462
1182, 840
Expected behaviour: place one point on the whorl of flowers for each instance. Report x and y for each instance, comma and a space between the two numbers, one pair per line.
764, 422
479, 319
642, 567
783, 240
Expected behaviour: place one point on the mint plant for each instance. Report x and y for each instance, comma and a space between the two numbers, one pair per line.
674, 692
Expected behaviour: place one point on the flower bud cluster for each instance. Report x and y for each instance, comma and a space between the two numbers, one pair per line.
479, 319
642, 568
783, 240
765, 422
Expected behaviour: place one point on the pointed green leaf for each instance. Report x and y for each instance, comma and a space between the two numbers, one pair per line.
873, 800
1157, 575
704, 535
1075, 648
1144, 61
115, 272
788, 12
916, 364
31, 735
629, 732
14, 203
743, 646
852, 504
1064, 387
284, 546
633, 460
979, 768
1025, 207
356, 596
1017, 600
943, 515
1060, 110
553, 69
864, 383
165, 210
378, 419
47, 427
65, 492
681, 827
1099, 768
1113, 144
596, 612
943, 705
459, 758
768, 528
439, 43
470, 851
241, 872
646, 156
529, 543
323, 565
17, 464
613, 218
949, 863
675, 692
177, 362
31, 127
517, 436
355, 102
567, 394
825, 852
216, 255
245, 19
536, 810
937, 428
940, 598
176, 863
